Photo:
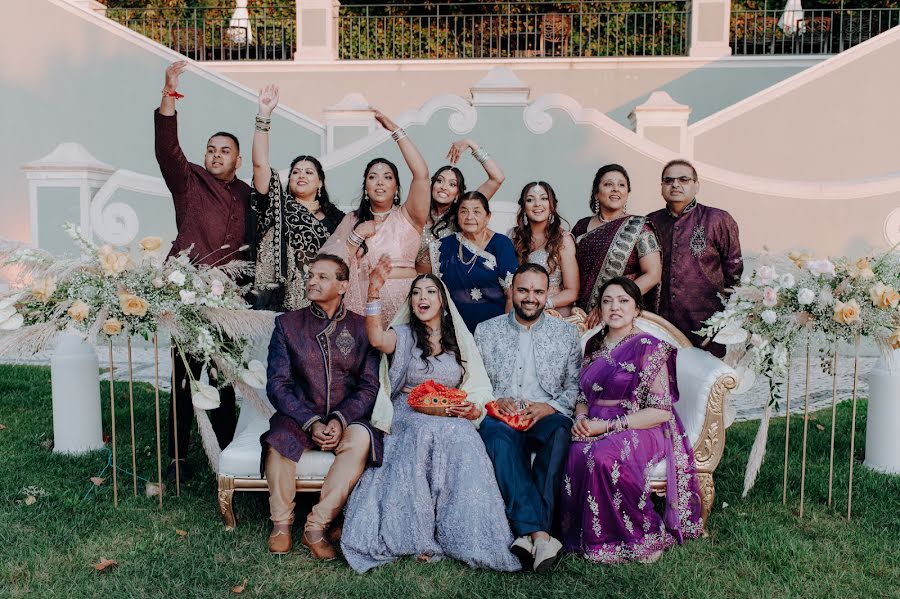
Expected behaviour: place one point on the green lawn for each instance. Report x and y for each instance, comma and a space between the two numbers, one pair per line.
756, 547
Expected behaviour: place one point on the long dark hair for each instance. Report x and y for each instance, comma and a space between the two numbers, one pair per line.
633, 291
521, 236
448, 331
593, 203
444, 221
364, 211
328, 209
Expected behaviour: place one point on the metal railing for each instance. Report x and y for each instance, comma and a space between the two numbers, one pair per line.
818, 31
213, 33
466, 30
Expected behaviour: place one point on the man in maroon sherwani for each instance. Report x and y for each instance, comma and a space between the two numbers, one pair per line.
322, 381
211, 212
701, 254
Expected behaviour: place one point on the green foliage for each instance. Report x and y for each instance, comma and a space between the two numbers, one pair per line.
756, 547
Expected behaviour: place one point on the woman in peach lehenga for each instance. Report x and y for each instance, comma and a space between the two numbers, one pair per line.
381, 225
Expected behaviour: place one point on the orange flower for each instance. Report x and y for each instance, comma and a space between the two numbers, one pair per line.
150, 244
43, 288
846, 313
113, 326
133, 305
112, 262
884, 296
894, 339
800, 258
79, 310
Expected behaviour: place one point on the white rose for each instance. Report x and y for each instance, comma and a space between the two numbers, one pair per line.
787, 281
255, 374
188, 297
217, 287
177, 277
203, 396
805, 296
821, 267
158, 283
766, 275
769, 316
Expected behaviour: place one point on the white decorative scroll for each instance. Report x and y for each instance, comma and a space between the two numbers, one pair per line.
892, 228
117, 222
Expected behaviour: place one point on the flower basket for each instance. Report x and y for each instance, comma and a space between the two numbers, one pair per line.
433, 398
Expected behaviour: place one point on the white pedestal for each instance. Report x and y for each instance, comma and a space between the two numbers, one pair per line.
74, 374
882, 440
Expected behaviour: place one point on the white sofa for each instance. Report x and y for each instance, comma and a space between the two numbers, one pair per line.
703, 384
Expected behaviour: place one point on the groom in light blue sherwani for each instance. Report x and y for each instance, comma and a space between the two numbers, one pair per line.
533, 361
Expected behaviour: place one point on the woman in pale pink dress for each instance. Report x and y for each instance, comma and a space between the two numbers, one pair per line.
383, 225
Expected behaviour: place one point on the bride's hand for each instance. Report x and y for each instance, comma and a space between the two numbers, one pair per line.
582, 428
593, 319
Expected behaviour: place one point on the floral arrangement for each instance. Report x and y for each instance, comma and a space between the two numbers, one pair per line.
106, 293
786, 296
793, 295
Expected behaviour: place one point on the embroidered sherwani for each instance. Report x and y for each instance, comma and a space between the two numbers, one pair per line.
701, 261
539, 364
319, 369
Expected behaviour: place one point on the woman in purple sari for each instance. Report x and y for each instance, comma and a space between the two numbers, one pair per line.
613, 243
625, 425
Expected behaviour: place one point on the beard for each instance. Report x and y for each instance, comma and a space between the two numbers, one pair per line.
521, 313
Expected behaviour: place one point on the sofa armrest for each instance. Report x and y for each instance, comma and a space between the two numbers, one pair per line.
703, 385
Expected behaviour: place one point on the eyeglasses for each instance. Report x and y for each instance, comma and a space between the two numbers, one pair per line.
672, 180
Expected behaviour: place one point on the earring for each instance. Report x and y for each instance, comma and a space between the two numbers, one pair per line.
319, 193
524, 220
625, 207
365, 196
596, 206
397, 198
552, 219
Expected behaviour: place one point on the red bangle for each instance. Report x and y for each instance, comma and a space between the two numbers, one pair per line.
172, 94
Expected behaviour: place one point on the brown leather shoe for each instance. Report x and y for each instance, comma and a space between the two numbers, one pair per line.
280, 541
320, 549
334, 534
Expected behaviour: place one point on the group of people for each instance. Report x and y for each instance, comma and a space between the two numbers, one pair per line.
402, 291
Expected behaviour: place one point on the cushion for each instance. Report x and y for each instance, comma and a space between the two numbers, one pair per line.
242, 456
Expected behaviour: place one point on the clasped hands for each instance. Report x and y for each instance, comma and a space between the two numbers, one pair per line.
466, 410
327, 436
529, 410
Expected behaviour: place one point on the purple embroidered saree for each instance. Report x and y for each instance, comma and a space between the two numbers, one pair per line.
605, 506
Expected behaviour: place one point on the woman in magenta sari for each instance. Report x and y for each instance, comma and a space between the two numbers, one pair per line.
625, 425
613, 243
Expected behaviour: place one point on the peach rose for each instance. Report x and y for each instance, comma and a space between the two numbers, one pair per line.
43, 288
112, 262
894, 339
770, 297
800, 258
883, 296
79, 310
150, 244
133, 305
846, 313
113, 326
864, 269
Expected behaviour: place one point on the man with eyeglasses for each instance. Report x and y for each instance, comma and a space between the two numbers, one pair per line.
701, 254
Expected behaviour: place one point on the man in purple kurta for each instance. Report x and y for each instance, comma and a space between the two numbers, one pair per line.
701, 254
322, 381
211, 212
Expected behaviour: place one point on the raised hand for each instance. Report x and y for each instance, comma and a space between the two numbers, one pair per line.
379, 274
385, 121
457, 149
268, 99
173, 73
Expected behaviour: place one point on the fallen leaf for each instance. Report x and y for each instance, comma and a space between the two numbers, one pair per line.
30, 500
153, 489
237, 590
820, 427
180, 533
2, 427
47, 443
97, 480
106, 565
